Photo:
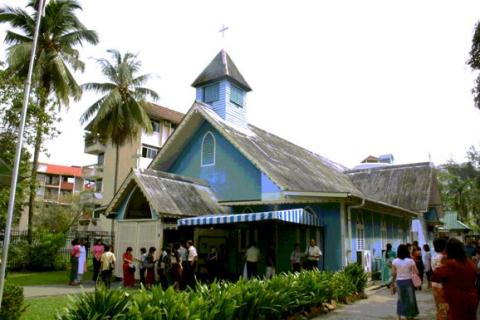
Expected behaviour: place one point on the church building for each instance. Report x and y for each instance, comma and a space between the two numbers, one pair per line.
225, 183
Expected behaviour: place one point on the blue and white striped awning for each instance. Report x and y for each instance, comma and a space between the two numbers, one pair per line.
298, 216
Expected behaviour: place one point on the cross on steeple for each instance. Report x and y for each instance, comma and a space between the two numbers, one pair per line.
222, 30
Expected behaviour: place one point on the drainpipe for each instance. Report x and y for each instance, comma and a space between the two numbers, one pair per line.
349, 228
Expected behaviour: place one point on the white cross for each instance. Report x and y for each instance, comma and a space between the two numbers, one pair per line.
224, 28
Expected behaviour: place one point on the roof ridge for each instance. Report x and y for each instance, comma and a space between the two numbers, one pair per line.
390, 167
171, 176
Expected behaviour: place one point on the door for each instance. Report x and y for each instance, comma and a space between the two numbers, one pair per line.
136, 234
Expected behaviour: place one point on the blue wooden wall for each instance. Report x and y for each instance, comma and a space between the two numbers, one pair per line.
329, 215
224, 107
372, 226
232, 178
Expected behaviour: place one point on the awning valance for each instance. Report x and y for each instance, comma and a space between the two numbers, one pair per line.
298, 216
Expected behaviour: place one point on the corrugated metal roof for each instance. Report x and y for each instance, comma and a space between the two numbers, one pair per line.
158, 112
406, 186
221, 66
170, 195
452, 223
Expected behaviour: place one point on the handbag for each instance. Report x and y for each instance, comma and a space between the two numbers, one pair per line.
132, 267
417, 282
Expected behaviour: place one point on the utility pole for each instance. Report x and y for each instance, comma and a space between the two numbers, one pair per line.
13, 186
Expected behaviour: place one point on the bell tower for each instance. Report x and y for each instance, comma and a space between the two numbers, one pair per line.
223, 88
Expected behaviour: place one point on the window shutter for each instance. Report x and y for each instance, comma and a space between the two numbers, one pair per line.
236, 96
210, 93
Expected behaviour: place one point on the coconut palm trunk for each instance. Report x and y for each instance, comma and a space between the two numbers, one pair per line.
33, 181
117, 153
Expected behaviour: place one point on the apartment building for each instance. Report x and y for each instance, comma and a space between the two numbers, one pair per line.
132, 155
57, 185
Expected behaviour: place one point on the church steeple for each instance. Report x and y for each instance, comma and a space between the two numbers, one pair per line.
223, 87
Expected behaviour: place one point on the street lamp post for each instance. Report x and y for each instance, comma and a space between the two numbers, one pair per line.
18, 153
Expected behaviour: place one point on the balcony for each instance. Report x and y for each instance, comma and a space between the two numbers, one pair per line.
93, 145
92, 172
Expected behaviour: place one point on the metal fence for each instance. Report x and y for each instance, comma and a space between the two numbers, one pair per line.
19, 237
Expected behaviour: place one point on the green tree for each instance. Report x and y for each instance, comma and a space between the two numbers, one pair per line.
474, 63
60, 218
460, 187
10, 103
53, 81
119, 116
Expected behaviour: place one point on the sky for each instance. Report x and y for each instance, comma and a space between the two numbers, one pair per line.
344, 79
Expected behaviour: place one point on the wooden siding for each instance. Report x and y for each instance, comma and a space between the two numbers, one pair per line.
229, 176
226, 109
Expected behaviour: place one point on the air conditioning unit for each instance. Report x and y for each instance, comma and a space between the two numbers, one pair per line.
364, 259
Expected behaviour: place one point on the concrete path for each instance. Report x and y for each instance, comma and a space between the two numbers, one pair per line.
61, 289
381, 304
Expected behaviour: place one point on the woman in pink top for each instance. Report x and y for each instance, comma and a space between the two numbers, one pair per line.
74, 254
402, 269
98, 250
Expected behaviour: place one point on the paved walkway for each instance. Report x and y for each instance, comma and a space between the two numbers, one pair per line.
381, 304
61, 289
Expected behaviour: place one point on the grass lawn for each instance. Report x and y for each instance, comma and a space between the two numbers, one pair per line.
42, 278
44, 308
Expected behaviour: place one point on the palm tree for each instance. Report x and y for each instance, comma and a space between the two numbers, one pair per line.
60, 32
120, 114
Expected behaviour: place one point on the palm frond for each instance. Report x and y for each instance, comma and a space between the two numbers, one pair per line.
18, 18
145, 93
18, 56
98, 87
16, 38
141, 80
77, 37
90, 112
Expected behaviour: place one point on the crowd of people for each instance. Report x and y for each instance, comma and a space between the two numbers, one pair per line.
452, 271
173, 266
176, 264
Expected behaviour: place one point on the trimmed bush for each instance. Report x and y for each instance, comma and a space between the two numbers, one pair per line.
357, 276
18, 255
12, 302
45, 255
257, 299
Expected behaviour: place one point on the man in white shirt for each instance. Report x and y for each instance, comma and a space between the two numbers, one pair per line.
312, 255
192, 258
252, 256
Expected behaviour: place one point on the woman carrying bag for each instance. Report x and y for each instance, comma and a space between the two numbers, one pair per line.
405, 277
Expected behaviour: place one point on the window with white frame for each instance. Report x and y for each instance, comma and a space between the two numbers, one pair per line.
360, 232
149, 151
208, 150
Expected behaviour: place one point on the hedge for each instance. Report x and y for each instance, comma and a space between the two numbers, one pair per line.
280, 297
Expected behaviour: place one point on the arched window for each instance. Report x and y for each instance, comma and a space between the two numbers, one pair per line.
138, 207
208, 150
310, 210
